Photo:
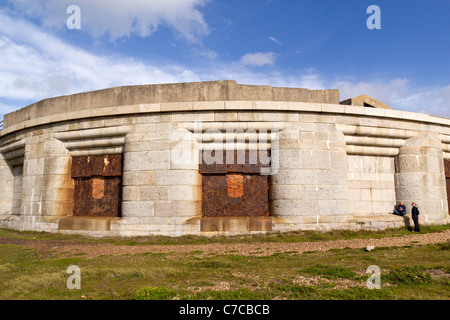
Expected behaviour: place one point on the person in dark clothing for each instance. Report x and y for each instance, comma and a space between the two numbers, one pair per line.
401, 209
415, 216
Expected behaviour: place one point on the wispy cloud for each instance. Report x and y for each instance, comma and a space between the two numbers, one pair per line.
259, 59
275, 40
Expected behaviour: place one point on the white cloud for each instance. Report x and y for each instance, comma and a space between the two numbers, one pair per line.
275, 40
258, 59
36, 65
209, 54
118, 18
6, 108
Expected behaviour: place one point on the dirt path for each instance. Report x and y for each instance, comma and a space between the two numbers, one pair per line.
67, 248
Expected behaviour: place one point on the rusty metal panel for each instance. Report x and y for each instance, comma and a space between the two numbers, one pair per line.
104, 166
97, 197
97, 185
238, 195
235, 185
235, 188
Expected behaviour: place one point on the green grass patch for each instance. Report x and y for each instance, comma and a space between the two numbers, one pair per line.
294, 291
358, 293
331, 272
408, 276
411, 272
445, 246
156, 293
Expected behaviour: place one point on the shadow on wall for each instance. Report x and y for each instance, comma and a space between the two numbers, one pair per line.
407, 221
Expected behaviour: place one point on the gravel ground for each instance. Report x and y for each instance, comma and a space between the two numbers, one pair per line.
65, 248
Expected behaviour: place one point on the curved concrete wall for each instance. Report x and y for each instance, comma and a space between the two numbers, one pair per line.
334, 166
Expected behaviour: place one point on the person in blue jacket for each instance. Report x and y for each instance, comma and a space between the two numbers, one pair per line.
401, 210
415, 216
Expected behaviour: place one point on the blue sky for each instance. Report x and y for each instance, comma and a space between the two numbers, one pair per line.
315, 44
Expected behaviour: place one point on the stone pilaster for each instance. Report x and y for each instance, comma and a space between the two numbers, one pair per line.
420, 177
310, 190
47, 184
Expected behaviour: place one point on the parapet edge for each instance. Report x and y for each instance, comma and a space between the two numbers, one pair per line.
223, 90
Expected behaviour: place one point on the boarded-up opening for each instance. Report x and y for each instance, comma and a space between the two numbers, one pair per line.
97, 185
235, 189
447, 178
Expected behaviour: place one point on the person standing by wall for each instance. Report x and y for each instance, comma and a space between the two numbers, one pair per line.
415, 216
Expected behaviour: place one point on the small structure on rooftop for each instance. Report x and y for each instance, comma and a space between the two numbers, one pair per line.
365, 101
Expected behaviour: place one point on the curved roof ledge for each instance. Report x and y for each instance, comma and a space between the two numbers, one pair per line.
200, 96
227, 90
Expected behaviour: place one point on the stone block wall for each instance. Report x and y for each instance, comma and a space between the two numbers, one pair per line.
371, 184
160, 195
335, 166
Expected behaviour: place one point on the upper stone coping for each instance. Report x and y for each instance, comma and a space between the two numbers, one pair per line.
236, 106
73, 107
226, 90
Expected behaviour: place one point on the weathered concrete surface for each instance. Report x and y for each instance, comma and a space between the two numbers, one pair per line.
236, 224
86, 224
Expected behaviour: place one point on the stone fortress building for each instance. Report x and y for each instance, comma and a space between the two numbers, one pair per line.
218, 157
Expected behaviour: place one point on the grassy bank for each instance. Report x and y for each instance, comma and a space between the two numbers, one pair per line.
419, 272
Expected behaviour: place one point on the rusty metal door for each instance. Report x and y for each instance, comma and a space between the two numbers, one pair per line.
447, 178
97, 185
234, 190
